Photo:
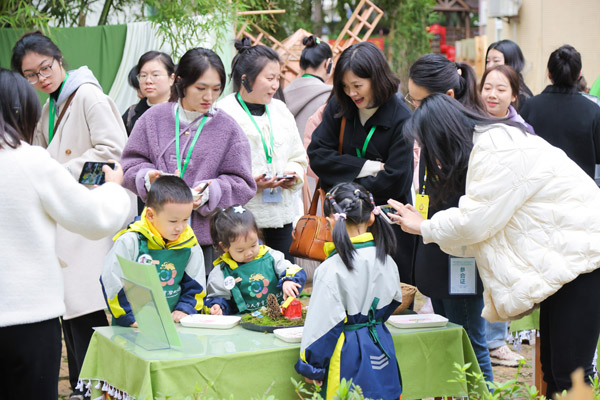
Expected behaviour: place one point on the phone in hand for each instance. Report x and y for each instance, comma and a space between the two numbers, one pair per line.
92, 174
285, 176
385, 210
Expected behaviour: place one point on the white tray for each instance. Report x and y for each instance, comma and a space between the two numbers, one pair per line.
291, 335
417, 321
210, 321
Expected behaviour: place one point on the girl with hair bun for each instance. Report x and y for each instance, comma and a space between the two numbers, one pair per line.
305, 94
562, 116
278, 156
355, 290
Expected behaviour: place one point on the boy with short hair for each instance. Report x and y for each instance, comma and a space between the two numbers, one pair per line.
163, 238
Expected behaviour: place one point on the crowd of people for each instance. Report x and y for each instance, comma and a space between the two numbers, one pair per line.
484, 176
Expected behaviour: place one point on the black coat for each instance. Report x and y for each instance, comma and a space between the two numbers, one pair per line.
569, 121
133, 113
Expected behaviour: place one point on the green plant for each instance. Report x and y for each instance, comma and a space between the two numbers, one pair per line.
346, 391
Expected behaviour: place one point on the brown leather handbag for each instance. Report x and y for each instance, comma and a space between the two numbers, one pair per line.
312, 231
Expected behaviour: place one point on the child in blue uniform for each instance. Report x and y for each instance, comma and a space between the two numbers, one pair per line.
162, 237
355, 290
246, 272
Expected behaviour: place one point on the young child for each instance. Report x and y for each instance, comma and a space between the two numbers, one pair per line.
246, 272
355, 290
161, 237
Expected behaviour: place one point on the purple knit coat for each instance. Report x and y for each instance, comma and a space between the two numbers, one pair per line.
221, 155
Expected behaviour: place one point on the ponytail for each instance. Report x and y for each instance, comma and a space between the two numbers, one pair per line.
467, 92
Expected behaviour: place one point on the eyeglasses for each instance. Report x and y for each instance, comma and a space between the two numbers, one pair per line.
415, 103
44, 72
144, 77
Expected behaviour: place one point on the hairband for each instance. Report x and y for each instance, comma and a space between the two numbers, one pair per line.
239, 209
317, 40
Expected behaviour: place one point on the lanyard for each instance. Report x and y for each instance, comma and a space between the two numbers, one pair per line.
424, 181
196, 136
268, 150
52, 111
367, 140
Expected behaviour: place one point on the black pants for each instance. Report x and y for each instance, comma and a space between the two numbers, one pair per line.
279, 239
78, 332
569, 329
30, 361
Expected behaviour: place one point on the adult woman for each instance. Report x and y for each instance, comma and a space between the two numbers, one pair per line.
507, 52
278, 157
432, 268
155, 73
562, 116
37, 193
529, 217
304, 95
79, 123
374, 153
213, 148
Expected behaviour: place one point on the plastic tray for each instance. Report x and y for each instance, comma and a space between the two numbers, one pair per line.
417, 321
210, 321
291, 335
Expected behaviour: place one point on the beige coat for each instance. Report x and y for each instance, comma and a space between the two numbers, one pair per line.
91, 130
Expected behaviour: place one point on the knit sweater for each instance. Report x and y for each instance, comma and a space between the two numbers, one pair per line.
221, 155
37, 193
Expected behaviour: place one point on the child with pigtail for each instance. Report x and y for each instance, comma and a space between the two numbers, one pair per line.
355, 290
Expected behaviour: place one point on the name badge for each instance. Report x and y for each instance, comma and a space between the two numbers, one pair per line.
422, 204
274, 195
463, 275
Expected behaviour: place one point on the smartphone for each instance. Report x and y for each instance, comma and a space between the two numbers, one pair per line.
92, 174
286, 176
385, 210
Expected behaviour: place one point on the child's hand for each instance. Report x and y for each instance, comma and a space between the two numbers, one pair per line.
216, 310
134, 325
290, 289
311, 381
178, 315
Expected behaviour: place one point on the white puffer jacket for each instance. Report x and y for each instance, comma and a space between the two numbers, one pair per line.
530, 216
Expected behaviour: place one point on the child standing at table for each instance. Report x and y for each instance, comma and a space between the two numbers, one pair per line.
246, 272
161, 237
355, 290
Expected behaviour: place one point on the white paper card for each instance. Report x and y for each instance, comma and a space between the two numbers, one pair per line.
463, 275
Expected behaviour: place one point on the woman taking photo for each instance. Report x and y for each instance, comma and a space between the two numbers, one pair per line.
190, 138
79, 123
278, 156
373, 153
432, 268
155, 74
529, 217
38, 193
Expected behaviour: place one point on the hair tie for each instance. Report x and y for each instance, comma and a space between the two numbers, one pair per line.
317, 40
337, 216
239, 209
377, 210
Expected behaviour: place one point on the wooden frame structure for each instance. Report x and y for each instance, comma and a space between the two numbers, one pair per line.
359, 19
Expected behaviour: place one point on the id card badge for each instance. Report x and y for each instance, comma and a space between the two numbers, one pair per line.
422, 204
463, 275
274, 195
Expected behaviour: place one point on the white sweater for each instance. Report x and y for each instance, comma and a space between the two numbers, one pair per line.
36, 193
530, 216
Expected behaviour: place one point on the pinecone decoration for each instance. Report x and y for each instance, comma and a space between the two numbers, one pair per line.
273, 309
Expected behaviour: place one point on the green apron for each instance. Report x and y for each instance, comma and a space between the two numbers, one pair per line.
254, 281
170, 267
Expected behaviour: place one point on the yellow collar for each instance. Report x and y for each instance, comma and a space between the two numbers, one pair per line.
226, 258
155, 240
363, 238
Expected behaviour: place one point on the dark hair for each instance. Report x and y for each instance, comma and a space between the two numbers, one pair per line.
168, 189
352, 203
192, 65
366, 61
19, 109
315, 52
444, 127
564, 66
437, 74
164, 58
226, 224
513, 57
582, 85
132, 79
250, 61
513, 80
33, 42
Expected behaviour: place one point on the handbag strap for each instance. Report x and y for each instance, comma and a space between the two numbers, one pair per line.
62, 112
318, 191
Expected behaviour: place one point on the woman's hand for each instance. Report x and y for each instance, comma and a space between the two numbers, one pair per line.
288, 183
154, 175
113, 175
263, 183
406, 216
290, 288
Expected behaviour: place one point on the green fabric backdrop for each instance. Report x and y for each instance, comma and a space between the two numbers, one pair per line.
98, 47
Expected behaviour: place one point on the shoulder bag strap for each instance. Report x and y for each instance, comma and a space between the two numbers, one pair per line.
62, 112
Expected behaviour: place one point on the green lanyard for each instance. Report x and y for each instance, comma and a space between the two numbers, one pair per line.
367, 140
52, 111
196, 136
268, 150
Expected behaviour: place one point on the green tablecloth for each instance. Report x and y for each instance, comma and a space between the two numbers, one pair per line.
246, 364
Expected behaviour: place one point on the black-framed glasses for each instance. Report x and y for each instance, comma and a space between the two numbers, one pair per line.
45, 72
144, 77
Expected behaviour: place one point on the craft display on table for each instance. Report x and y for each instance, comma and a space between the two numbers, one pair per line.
275, 316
